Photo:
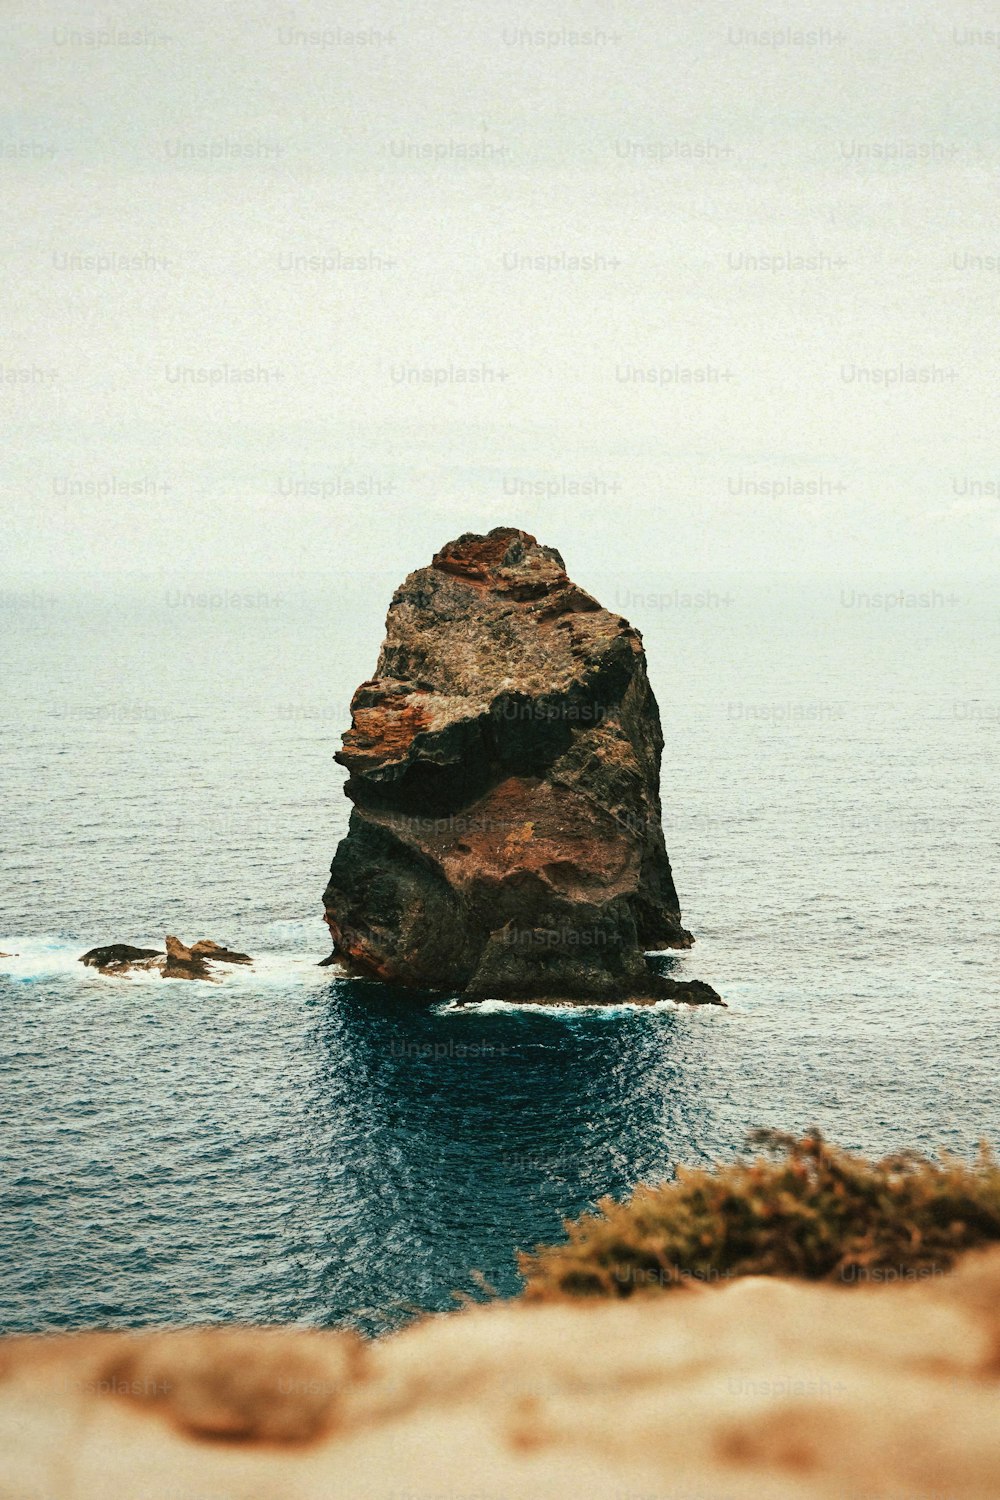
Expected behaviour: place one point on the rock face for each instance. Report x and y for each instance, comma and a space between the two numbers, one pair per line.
504, 763
754, 1390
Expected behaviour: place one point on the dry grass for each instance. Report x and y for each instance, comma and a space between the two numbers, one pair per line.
804, 1208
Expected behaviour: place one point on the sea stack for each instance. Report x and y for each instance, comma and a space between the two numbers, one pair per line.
506, 837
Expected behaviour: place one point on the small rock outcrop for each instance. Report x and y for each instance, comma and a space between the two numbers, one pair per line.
178, 962
205, 948
193, 962
506, 837
116, 958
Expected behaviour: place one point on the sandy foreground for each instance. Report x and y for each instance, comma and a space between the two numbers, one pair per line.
761, 1388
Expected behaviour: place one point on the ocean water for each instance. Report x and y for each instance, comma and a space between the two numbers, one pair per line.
290, 1146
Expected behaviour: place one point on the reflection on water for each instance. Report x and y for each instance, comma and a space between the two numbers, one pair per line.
466, 1131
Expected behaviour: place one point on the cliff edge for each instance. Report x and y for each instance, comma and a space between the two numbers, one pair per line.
761, 1389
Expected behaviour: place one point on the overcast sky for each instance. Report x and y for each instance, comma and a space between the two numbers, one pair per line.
299, 299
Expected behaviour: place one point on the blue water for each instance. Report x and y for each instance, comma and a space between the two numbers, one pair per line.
287, 1145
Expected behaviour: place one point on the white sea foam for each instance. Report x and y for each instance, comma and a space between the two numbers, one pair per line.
49, 958
44, 957
41, 958
562, 1008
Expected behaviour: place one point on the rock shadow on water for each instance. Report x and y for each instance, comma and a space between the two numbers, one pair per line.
477, 1131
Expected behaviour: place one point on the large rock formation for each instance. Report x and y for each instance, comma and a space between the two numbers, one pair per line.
756, 1390
504, 764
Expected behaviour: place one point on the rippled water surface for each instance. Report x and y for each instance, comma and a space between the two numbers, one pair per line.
288, 1145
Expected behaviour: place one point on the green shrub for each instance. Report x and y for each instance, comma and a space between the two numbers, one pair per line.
804, 1208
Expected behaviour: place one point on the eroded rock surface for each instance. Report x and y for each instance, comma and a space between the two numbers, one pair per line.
756, 1390
504, 761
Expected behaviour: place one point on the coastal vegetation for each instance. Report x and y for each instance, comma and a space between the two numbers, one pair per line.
801, 1208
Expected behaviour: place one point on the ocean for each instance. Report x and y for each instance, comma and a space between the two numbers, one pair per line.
289, 1146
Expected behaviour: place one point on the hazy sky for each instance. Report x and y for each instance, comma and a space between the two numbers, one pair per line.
442, 253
